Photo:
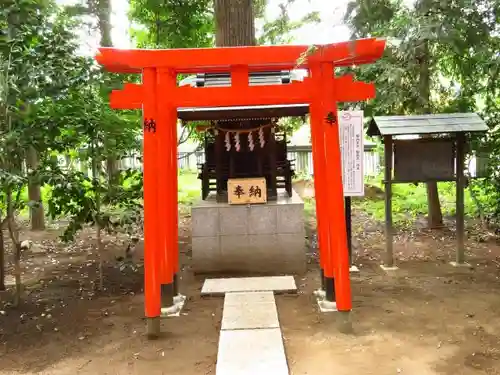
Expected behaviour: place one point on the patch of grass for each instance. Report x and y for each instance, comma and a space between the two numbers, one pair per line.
189, 188
410, 201
309, 207
46, 192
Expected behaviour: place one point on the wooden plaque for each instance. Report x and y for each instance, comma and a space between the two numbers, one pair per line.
247, 190
421, 160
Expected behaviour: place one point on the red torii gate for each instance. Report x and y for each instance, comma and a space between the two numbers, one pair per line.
160, 97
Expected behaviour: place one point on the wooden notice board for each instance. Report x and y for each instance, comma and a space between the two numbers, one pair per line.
247, 190
424, 159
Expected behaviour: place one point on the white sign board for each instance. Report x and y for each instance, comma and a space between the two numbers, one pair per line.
352, 151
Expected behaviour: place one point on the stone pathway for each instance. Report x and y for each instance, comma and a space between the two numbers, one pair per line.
250, 341
249, 284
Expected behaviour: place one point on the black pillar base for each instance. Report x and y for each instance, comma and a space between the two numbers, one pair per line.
153, 328
167, 295
176, 285
322, 275
348, 226
330, 289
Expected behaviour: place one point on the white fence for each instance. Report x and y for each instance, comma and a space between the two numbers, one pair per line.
301, 155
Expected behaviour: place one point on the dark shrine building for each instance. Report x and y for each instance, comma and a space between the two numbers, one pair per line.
243, 142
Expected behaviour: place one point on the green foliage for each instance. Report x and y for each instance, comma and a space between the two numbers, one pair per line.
38, 64
171, 23
56, 102
76, 196
279, 30
459, 42
291, 124
90, 126
462, 50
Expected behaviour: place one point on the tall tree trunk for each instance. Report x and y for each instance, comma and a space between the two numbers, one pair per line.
2, 254
34, 192
103, 10
16, 244
95, 182
235, 23
69, 162
435, 215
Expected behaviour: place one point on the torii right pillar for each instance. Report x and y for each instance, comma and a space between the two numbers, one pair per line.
334, 257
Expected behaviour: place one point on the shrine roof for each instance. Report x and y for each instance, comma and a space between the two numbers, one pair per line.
283, 77
426, 124
242, 112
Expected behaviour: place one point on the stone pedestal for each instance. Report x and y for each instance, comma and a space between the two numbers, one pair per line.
267, 238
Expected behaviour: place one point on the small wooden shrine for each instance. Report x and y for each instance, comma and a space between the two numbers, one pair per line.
243, 142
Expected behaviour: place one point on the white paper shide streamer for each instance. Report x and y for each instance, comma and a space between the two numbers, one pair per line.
261, 138
251, 145
237, 144
227, 140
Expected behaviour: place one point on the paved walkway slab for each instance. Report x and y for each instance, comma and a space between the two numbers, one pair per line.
249, 284
251, 352
243, 298
252, 310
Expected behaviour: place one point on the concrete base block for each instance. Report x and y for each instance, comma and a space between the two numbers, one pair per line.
175, 309
153, 328
326, 306
461, 265
342, 318
353, 269
389, 269
344, 322
266, 238
320, 293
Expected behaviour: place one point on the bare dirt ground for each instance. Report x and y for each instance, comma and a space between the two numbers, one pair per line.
426, 318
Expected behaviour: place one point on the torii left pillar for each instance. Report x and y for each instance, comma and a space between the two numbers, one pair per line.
161, 263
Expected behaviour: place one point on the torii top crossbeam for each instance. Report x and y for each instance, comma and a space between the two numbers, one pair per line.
356, 52
240, 61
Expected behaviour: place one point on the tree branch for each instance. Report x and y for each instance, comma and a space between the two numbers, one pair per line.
181, 140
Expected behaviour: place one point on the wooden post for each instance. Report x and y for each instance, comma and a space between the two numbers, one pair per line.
339, 259
320, 184
219, 149
272, 163
460, 184
173, 197
167, 177
152, 257
388, 154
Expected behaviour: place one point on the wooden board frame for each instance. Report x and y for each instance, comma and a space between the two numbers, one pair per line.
424, 159
252, 190
459, 151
